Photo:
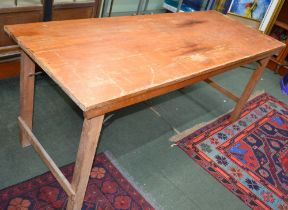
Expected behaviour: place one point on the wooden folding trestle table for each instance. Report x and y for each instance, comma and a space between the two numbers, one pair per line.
110, 63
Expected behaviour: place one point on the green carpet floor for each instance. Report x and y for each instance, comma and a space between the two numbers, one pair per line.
137, 138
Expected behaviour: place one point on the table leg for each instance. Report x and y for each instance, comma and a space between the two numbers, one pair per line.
86, 152
27, 82
249, 88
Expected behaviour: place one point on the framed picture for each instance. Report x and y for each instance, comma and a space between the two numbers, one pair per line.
257, 13
254, 9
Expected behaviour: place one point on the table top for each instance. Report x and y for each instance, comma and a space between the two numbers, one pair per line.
100, 61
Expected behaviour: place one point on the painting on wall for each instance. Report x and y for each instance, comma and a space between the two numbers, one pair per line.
254, 9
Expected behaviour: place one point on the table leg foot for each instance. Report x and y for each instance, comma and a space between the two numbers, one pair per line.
85, 156
248, 89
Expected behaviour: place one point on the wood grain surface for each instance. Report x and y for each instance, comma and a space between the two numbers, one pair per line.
99, 62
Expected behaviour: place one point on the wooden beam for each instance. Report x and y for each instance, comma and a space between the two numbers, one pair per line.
249, 89
46, 158
222, 89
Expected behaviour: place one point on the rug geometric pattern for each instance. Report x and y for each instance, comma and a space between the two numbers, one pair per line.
250, 156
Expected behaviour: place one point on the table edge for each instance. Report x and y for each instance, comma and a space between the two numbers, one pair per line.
138, 97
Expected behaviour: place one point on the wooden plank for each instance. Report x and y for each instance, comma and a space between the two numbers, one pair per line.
126, 56
221, 89
26, 95
249, 89
46, 158
86, 152
162, 90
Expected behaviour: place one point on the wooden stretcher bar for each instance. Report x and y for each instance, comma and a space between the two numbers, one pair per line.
46, 158
221, 89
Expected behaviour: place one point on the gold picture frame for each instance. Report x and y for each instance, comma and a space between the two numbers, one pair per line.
274, 17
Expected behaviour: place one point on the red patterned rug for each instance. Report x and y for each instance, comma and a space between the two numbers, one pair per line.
249, 157
107, 189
